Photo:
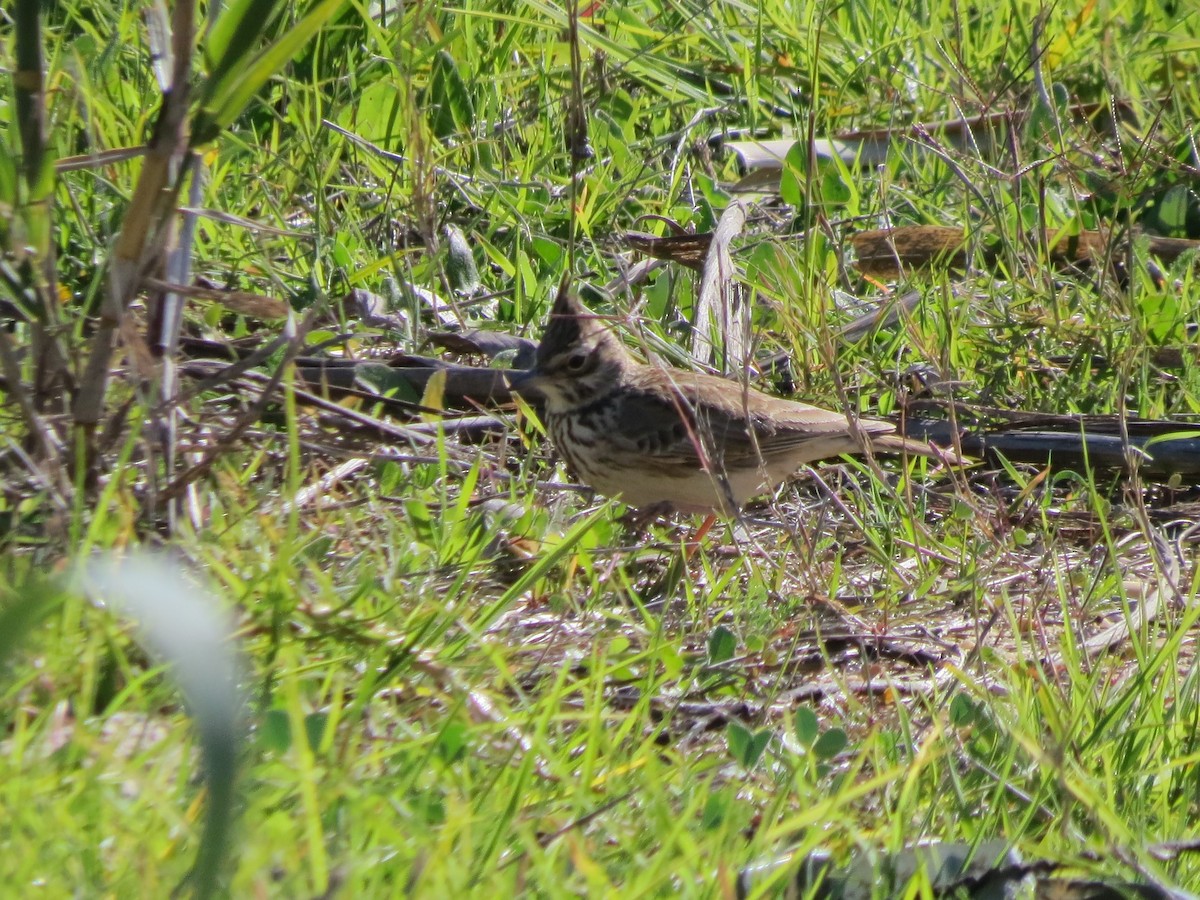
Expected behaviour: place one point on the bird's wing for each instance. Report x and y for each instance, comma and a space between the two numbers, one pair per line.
700, 415
808, 433
655, 428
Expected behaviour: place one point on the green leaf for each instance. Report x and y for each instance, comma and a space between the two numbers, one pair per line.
548, 251
1182, 435
1161, 315
374, 109
746, 747
1045, 118
962, 511
19, 615
658, 71
225, 101
831, 743
385, 380
274, 732
962, 711
806, 726
722, 643
460, 262
794, 175
715, 199
716, 810
430, 810
8, 177
449, 102
232, 39
671, 661
420, 519
318, 549
314, 729
391, 476
1022, 538
341, 254
452, 742
1171, 211
835, 191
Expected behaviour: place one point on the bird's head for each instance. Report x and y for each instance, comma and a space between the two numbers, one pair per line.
578, 359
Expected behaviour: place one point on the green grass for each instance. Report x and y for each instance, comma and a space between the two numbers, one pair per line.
457, 681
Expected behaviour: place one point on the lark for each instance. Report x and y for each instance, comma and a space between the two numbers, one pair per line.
661, 438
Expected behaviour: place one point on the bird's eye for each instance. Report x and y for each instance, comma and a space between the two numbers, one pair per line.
576, 362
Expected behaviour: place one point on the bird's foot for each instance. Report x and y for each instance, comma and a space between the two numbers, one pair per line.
639, 520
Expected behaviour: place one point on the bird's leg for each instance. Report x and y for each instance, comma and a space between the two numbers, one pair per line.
692, 544
639, 520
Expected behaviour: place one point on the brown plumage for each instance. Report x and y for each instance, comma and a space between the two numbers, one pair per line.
656, 436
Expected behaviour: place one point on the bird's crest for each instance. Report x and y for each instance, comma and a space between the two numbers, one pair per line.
570, 321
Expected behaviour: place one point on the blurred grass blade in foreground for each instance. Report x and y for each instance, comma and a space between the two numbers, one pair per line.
183, 624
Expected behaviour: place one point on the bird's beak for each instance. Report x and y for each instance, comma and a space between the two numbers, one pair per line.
527, 383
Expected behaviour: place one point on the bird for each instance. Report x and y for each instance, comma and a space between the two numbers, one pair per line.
663, 439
